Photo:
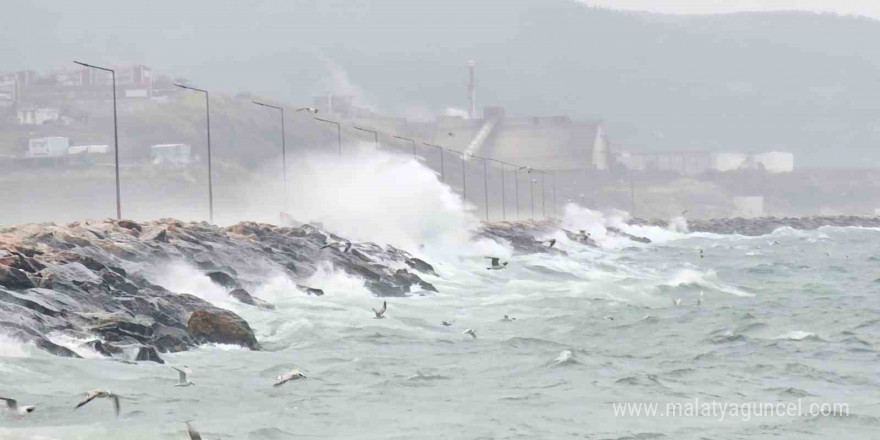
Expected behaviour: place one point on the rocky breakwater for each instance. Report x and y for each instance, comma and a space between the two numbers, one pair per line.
91, 281
766, 225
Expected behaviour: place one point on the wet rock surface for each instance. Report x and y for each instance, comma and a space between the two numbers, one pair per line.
97, 279
221, 326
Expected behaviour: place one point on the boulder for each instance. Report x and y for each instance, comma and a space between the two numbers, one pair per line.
223, 279
14, 279
243, 296
148, 353
420, 266
128, 224
221, 326
310, 290
158, 234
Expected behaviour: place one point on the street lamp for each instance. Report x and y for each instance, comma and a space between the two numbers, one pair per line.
411, 140
338, 132
210, 182
375, 134
486, 186
555, 205
543, 197
532, 192
463, 180
442, 170
503, 194
283, 148
115, 135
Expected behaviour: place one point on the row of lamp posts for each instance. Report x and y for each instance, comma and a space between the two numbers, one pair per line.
339, 140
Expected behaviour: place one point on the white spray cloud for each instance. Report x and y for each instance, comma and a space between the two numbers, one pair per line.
453, 111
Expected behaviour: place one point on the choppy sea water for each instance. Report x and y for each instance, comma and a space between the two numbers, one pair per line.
787, 316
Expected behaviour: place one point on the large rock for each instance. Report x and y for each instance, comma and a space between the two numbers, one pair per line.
147, 353
14, 279
222, 327
223, 279
421, 266
244, 297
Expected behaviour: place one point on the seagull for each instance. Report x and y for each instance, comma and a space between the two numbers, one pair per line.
308, 109
495, 265
344, 245
92, 395
380, 314
182, 380
701, 253
676, 301
608, 317
528, 170
471, 332
508, 319
446, 323
12, 405
287, 377
193, 433
550, 243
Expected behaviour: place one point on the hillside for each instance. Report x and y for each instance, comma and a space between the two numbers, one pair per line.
791, 81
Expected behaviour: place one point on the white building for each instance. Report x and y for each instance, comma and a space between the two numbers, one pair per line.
88, 149
171, 154
729, 161
775, 162
37, 116
54, 146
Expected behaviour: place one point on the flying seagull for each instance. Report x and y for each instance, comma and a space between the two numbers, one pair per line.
380, 314
12, 405
193, 433
495, 264
92, 395
343, 245
508, 319
182, 381
471, 332
550, 243
287, 377
528, 170
308, 109
446, 323
676, 301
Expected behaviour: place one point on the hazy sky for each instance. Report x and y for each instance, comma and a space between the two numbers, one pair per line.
869, 8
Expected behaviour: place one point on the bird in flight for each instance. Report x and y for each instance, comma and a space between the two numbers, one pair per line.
12, 405
182, 381
380, 314
101, 394
287, 377
343, 246
471, 332
193, 433
446, 323
496, 264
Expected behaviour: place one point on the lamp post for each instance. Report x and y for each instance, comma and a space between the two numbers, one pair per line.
485, 186
375, 134
532, 193
208, 119
463, 180
115, 136
516, 188
338, 133
503, 190
411, 140
555, 205
442, 171
283, 148
543, 196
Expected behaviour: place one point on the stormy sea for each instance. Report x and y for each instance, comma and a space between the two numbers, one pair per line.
615, 312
